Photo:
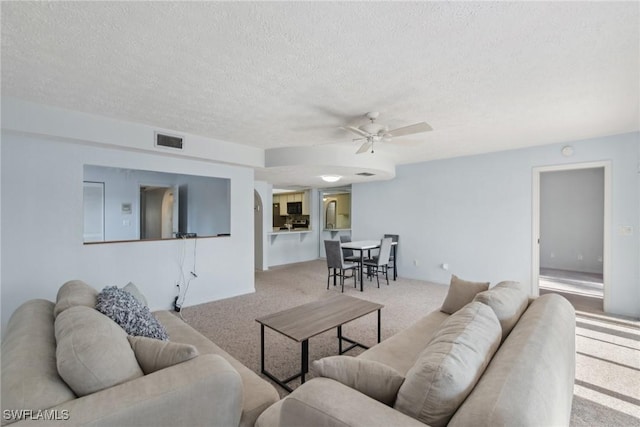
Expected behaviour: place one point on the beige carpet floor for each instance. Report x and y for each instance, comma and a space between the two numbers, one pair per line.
607, 391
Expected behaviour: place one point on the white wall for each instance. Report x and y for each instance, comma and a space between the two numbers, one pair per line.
42, 222
475, 213
571, 220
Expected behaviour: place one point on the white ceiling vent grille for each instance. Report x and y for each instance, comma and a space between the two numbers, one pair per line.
168, 141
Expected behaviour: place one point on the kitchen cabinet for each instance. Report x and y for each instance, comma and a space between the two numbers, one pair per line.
285, 198
305, 203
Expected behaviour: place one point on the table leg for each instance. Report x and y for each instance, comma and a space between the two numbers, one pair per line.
395, 263
340, 339
379, 323
262, 348
361, 268
305, 359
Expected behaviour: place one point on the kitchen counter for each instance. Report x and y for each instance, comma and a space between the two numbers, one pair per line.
293, 231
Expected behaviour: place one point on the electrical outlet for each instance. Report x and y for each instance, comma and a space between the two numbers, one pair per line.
415, 262
444, 266
579, 257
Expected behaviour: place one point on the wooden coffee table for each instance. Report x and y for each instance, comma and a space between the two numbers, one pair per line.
308, 320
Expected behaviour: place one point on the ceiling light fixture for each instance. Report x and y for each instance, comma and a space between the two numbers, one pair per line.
330, 178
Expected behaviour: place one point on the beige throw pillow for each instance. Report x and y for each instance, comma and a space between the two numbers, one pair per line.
154, 355
375, 379
508, 301
449, 367
92, 351
72, 293
461, 293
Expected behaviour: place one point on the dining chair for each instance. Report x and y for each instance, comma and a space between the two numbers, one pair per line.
379, 264
335, 261
348, 253
394, 253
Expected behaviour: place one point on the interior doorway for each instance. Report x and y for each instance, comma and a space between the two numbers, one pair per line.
571, 240
158, 212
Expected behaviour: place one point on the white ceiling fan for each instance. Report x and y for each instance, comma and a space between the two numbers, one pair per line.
374, 132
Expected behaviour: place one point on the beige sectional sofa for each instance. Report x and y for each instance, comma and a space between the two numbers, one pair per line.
207, 388
498, 358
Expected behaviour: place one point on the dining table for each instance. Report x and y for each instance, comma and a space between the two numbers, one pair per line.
368, 245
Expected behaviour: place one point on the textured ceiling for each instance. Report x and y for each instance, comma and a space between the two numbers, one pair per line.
487, 76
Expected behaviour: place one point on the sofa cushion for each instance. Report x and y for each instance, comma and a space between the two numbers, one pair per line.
92, 351
400, 351
258, 394
461, 292
530, 380
374, 379
124, 309
133, 290
449, 367
30, 379
153, 355
72, 293
508, 301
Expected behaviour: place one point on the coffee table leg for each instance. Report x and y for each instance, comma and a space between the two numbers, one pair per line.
340, 339
262, 348
305, 359
379, 322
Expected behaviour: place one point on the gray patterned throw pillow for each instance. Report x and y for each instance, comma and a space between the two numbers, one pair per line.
126, 311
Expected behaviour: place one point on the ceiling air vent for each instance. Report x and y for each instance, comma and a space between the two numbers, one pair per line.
365, 174
168, 141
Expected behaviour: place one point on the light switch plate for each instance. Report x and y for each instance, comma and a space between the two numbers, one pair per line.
626, 230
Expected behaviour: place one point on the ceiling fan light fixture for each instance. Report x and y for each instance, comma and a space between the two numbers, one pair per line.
371, 128
373, 132
331, 178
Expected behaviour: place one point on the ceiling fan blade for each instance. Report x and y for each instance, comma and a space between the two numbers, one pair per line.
355, 130
364, 147
408, 130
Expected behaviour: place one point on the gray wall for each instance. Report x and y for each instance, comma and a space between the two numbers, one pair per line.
572, 220
475, 213
208, 202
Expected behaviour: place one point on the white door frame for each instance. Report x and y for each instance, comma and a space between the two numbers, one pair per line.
258, 238
535, 235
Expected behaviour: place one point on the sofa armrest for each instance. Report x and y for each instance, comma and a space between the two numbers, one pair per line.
328, 403
205, 390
